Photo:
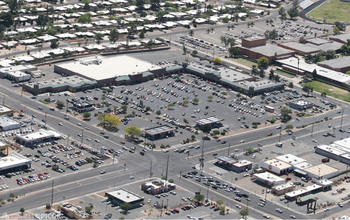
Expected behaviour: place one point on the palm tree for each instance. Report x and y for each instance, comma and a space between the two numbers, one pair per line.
208, 31
212, 30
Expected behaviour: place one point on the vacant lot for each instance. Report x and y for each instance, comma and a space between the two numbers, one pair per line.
330, 90
334, 10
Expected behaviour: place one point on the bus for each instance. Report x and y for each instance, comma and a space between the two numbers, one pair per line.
269, 109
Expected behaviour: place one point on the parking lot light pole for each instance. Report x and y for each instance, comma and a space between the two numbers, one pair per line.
82, 136
45, 120
228, 152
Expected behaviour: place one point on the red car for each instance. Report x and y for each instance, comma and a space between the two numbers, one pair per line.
176, 210
269, 134
122, 142
211, 207
218, 140
22, 110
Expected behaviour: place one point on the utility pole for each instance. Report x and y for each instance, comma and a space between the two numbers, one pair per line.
45, 120
82, 136
341, 121
52, 192
68, 141
150, 171
208, 193
228, 152
202, 158
161, 209
167, 168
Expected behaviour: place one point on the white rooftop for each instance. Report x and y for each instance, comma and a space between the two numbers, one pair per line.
242, 163
268, 177
14, 160
303, 190
290, 158
107, 67
330, 149
302, 165
125, 196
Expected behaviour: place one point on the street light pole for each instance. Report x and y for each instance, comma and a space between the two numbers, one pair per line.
82, 136
45, 120
341, 121
228, 152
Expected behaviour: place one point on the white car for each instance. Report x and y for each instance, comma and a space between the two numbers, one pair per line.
60, 124
97, 140
132, 177
242, 141
238, 206
266, 216
88, 139
79, 124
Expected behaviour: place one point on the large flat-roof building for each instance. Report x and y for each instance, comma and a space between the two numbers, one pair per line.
105, 70
299, 48
256, 48
120, 196
295, 65
37, 137
7, 124
341, 38
17, 73
14, 162
323, 171
70, 83
340, 64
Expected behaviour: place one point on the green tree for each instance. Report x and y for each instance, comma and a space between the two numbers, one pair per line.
222, 209
217, 60
113, 35
86, 115
210, 98
216, 132
171, 181
219, 202
263, 62
244, 212
185, 102
234, 52
191, 33
289, 127
307, 89
336, 30
195, 101
142, 35
85, 18
199, 197
109, 120
22, 210
286, 114
184, 49
140, 4
291, 85
42, 20
54, 44
6, 18
323, 95
88, 209
48, 206
124, 108
158, 112
125, 206
133, 131
155, 5
148, 108
59, 104
206, 128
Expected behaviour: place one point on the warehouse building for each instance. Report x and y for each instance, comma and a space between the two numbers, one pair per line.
120, 196
7, 124
329, 151
299, 48
341, 38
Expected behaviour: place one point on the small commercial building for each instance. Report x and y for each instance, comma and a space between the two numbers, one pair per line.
120, 196
300, 104
40, 136
268, 179
14, 162
17, 73
215, 122
282, 189
321, 171
159, 132
7, 123
5, 110
276, 166
83, 106
303, 192
237, 166
75, 212
157, 186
